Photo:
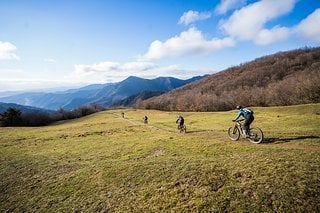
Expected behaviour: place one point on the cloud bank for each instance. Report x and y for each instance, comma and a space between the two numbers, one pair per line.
190, 42
109, 71
7, 51
309, 28
248, 22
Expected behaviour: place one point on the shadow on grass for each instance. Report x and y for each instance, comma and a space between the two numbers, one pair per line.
285, 140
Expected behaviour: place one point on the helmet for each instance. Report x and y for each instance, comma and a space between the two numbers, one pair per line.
239, 107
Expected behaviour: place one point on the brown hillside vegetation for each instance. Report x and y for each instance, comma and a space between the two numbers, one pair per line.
285, 78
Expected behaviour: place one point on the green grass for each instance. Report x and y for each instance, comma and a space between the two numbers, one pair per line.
103, 162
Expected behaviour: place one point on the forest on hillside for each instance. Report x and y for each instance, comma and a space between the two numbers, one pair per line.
285, 78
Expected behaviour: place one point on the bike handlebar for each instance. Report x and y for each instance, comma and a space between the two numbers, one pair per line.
239, 120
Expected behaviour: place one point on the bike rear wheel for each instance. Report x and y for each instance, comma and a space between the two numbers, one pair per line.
233, 133
182, 129
256, 135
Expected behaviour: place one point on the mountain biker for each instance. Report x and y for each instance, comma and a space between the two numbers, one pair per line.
145, 119
248, 116
180, 121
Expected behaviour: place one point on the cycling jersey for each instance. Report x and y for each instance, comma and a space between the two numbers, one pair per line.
243, 112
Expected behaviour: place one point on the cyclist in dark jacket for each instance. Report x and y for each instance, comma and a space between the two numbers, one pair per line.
145, 119
180, 121
248, 116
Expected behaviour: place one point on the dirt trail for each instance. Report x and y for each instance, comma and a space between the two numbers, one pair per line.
140, 123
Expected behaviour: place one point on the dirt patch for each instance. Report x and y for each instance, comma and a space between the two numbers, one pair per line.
157, 153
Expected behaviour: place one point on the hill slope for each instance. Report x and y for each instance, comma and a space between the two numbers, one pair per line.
284, 78
104, 163
136, 99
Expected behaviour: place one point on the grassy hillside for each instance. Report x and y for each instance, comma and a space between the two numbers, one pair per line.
103, 162
285, 78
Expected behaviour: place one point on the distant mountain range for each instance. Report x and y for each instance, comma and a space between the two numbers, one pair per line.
24, 109
110, 94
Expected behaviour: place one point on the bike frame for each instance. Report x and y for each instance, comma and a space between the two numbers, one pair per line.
238, 125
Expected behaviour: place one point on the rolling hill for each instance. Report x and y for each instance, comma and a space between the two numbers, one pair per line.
106, 163
285, 78
104, 94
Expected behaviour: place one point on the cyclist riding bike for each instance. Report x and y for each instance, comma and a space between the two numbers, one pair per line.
248, 116
145, 119
180, 121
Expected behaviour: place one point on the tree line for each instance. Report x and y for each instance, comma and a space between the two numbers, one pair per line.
15, 117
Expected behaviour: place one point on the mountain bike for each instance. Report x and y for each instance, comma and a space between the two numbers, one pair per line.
255, 133
182, 129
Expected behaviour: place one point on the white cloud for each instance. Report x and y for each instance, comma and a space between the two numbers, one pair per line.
114, 72
193, 16
102, 67
110, 71
190, 42
276, 34
309, 28
113, 68
138, 66
226, 5
248, 22
7, 51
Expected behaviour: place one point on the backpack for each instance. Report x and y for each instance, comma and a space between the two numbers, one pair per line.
248, 111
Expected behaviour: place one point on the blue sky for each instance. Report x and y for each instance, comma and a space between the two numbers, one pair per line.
68, 43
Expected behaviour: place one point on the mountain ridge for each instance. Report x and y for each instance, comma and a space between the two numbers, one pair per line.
22, 108
104, 94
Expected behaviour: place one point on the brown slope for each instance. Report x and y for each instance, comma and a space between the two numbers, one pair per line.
285, 78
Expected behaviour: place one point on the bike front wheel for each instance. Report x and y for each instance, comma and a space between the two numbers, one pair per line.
256, 135
233, 133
